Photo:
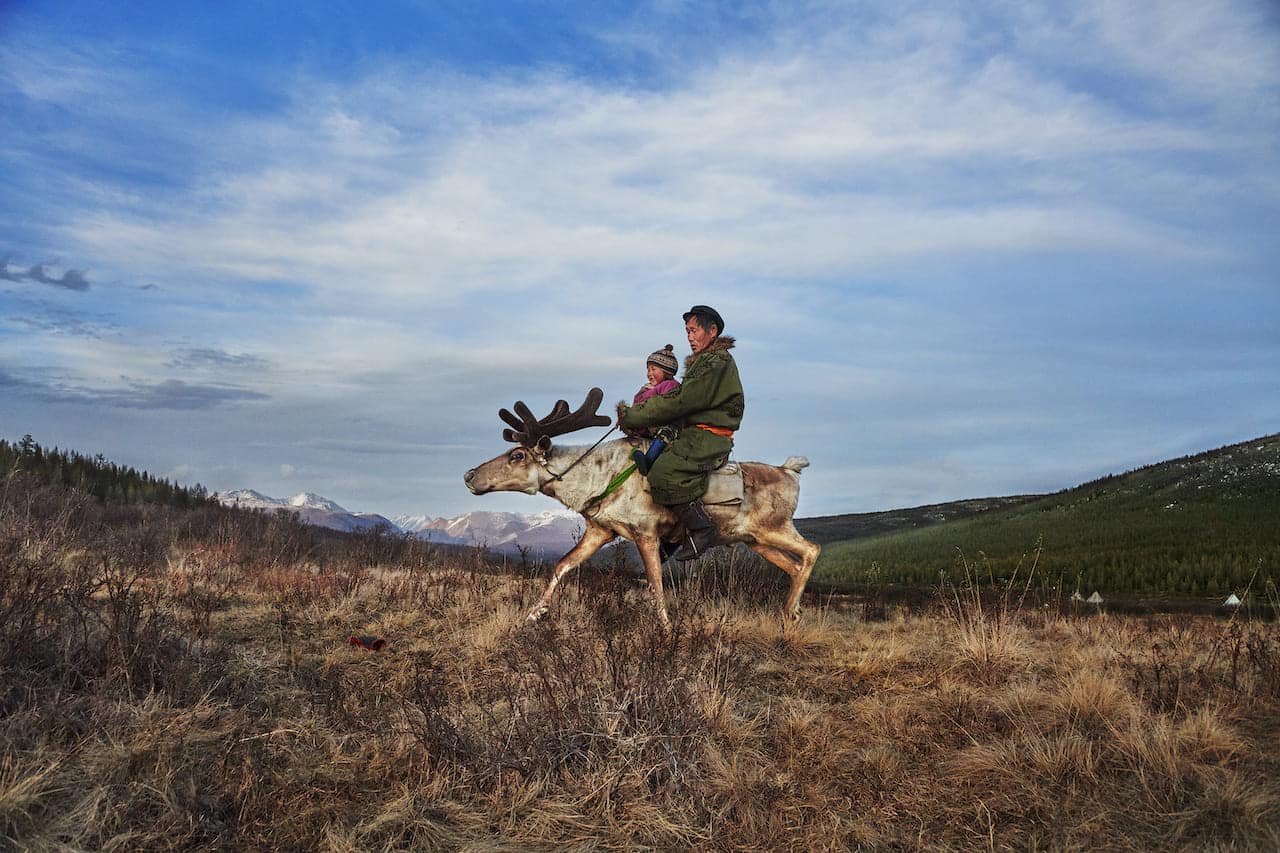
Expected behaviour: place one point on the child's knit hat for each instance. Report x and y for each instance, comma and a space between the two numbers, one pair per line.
665, 359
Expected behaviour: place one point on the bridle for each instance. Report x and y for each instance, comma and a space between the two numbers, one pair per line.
531, 431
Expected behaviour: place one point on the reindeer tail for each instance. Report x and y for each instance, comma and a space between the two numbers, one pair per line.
795, 464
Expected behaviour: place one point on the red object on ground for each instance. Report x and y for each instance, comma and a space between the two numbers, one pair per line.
372, 644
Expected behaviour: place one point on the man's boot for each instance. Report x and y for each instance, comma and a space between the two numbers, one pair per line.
700, 532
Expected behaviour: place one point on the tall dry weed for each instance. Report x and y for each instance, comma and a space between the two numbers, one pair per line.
988, 615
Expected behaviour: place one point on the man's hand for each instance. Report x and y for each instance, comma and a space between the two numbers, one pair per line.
623, 408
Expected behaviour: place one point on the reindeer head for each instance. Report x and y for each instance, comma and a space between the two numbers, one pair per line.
524, 468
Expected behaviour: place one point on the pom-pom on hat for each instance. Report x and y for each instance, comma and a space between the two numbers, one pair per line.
665, 359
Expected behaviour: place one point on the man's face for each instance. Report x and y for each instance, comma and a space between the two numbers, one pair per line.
698, 336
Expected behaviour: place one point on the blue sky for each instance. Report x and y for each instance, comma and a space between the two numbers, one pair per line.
966, 249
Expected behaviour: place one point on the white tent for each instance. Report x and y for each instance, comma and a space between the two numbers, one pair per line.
1095, 598
1232, 601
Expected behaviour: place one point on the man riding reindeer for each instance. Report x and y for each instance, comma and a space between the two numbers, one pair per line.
706, 409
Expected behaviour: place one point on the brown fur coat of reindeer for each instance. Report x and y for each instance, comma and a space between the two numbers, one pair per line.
576, 475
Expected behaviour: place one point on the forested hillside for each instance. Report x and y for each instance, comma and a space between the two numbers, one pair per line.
95, 476
1207, 524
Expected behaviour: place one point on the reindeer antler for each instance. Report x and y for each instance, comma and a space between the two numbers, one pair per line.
528, 430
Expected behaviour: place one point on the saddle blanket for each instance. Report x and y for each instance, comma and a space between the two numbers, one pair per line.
724, 487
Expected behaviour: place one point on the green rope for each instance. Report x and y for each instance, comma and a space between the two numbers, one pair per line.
612, 487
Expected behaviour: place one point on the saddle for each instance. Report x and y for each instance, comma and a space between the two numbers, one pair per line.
724, 489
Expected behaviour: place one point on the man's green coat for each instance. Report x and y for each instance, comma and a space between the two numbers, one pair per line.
710, 393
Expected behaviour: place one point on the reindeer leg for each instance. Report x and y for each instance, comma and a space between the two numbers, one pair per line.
593, 540
648, 546
795, 555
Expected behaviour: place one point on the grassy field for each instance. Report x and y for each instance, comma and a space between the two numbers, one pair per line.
185, 681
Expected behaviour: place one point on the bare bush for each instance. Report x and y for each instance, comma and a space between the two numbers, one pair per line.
1179, 665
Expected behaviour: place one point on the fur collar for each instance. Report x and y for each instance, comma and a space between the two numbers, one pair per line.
720, 344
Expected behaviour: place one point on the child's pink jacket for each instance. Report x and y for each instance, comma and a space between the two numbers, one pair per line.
666, 386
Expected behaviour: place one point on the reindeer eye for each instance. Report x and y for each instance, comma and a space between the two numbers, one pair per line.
517, 456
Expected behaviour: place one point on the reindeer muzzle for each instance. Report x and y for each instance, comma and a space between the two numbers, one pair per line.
469, 479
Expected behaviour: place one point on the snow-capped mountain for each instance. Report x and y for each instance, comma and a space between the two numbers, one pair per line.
543, 533
310, 508
248, 499
310, 500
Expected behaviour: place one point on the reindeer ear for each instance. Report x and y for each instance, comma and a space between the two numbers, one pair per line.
544, 444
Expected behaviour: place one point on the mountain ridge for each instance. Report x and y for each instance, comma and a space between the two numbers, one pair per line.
543, 533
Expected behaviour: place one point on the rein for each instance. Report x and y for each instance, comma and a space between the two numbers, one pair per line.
599, 441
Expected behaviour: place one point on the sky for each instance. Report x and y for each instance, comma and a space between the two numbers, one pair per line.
966, 249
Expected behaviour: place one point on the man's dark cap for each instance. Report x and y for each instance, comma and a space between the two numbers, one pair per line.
706, 312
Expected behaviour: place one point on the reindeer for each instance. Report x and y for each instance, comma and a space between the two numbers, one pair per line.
577, 476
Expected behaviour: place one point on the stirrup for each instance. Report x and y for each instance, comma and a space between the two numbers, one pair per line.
692, 549
700, 532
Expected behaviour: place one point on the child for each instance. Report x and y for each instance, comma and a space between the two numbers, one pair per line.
661, 369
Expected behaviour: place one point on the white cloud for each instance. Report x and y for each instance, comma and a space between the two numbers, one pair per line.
1221, 52
413, 186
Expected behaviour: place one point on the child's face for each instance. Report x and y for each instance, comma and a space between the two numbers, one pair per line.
656, 374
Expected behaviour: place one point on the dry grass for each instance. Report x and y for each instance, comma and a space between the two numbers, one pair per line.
170, 687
